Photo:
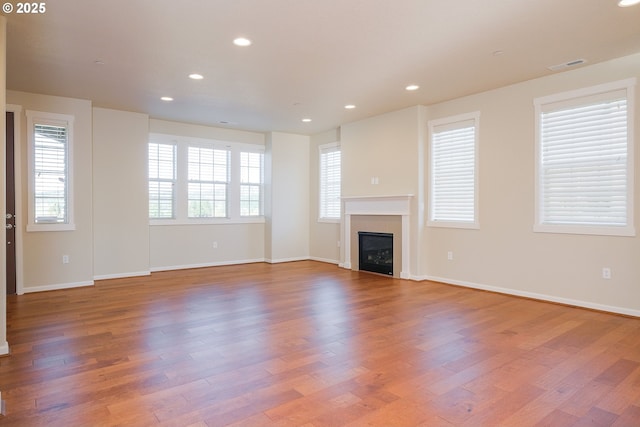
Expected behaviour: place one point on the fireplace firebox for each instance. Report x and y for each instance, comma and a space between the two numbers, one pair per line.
376, 252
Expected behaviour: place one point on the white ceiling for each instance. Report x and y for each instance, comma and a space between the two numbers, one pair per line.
309, 58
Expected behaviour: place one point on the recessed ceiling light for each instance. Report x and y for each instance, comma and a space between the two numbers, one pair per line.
241, 41
627, 3
350, 106
167, 98
307, 120
196, 76
412, 87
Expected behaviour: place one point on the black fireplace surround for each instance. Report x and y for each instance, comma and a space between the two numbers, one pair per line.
375, 252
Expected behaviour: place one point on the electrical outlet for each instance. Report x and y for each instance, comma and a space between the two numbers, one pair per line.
65, 259
215, 245
338, 243
606, 273
450, 256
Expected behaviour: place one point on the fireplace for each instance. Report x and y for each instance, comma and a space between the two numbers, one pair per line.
376, 252
397, 207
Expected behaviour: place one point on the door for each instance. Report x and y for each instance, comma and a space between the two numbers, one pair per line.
11, 208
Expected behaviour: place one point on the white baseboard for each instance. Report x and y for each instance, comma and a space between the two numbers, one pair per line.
121, 275
30, 289
326, 260
4, 349
536, 296
278, 261
208, 264
248, 261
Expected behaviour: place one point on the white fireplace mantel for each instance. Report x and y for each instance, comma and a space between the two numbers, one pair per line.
379, 205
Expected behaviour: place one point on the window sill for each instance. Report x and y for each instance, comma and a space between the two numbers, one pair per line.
454, 224
50, 227
330, 220
623, 231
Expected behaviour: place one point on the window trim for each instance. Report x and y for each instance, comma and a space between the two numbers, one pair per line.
322, 148
572, 98
180, 192
55, 119
451, 120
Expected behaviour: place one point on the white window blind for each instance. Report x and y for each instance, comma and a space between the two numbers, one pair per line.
50, 173
162, 179
330, 181
584, 162
50, 166
208, 181
251, 179
453, 171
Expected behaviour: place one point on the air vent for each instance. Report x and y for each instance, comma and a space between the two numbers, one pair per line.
567, 65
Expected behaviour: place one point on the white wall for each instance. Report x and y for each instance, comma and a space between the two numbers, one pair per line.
207, 132
120, 196
323, 236
43, 250
287, 198
385, 147
4, 346
505, 254
174, 247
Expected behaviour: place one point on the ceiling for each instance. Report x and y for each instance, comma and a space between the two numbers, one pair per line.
309, 58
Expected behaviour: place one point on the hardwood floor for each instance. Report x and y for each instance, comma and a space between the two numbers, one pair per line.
309, 344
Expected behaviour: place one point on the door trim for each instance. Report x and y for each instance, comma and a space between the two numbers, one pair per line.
17, 163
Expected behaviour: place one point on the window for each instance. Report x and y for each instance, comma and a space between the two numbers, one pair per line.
453, 190
251, 178
208, 182
330, 182
50, 171
585, 161
203, 181
162, 180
